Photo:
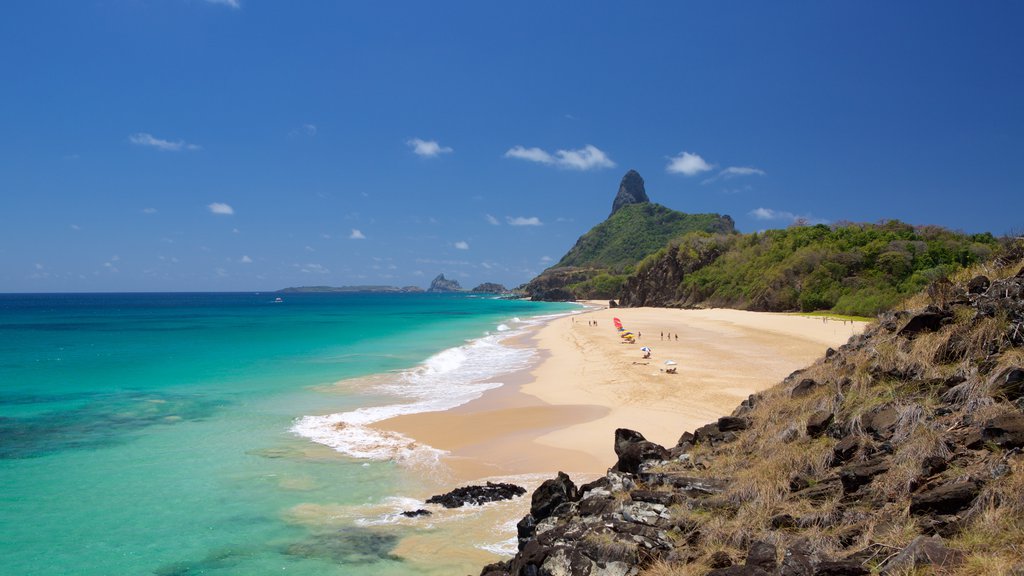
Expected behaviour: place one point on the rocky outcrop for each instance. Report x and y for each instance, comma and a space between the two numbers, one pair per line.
477, 495
660, 283
631, 191
871, 461
442, 284
490, 288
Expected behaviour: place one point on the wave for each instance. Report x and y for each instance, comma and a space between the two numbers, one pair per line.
447, 379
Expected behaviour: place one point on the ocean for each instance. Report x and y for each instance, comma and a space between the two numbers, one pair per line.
226, 434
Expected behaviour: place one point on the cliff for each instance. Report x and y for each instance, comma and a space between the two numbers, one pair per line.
490, 288
898, 454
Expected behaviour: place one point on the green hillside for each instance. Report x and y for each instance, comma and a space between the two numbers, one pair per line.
858, 269
635, 231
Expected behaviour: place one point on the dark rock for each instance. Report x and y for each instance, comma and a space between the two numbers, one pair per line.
978, 285
525, 528
656, 497
946, 499
415, 513
818, 423
782, 521
596, 506
845, 449
638, 453
853, 477
731, 423
762, 555
841, 568
442, 284
497, 569
1011, 383
849, 535
720, 559
799, 482
881, 422
945, 525
529, 559
631, 191
797, 561
686, 438
477, 495
821, 492
830, 352
613, 304
624, 437
690, 486
930, 320
922, 551
932, 465
551, 494
712, 434
804, 388
1006, 431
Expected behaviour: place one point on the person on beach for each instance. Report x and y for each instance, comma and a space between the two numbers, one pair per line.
662, 335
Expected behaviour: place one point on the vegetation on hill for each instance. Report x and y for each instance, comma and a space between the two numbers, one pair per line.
635, 231
846, 268
599, 262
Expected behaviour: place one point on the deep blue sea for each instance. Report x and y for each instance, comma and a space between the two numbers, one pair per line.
225, 434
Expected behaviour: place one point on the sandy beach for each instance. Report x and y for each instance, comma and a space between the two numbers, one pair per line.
562, 414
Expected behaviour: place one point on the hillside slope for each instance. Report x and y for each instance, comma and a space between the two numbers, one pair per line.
897, 454
858, 269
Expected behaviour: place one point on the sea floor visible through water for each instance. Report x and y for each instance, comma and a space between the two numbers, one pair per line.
226, 434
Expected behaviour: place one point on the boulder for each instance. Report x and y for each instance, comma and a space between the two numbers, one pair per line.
818, 423
636, 454
739, 571
732, 423
1011, 383
845, 449
922, 551
930, 320
552, 494
762, 555
415, 513
1006, 431
625, 437
804, 388
978, 285
881, 422
945, 499
853, 477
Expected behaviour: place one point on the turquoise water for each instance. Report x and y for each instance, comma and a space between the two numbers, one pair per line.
195, 433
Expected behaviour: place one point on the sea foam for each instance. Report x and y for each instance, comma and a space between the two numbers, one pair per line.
447, 379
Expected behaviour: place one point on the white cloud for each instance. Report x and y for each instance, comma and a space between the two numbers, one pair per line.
246, 260
221, 208
356, 235
76, 227
687, 164
741, 171
531, 154
146, 139
735, 172
428, 148
309, 129
587, 158
232, 3
523, 221
546, 259
492, 220
462, 245
771, 214
149, 210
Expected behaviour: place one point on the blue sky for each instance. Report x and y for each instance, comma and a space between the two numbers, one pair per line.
258, 144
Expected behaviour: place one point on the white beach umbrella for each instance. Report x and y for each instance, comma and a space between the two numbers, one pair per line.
645, 349
670, 362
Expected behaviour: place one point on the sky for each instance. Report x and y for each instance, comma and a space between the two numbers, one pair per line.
235, 145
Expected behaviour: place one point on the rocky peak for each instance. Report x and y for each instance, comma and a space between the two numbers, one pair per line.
442, 284
631, 191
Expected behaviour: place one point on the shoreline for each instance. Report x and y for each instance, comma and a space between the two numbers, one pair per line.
561, 413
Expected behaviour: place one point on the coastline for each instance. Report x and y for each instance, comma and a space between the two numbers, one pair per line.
561, 413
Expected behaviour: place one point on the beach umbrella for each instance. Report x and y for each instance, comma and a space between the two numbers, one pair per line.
670, 362
617, 322
645, 349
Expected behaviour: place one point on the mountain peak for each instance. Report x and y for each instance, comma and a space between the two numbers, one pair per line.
631, 191
442, 284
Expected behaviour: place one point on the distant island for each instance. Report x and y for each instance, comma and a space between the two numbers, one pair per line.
322, 289
439, 284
